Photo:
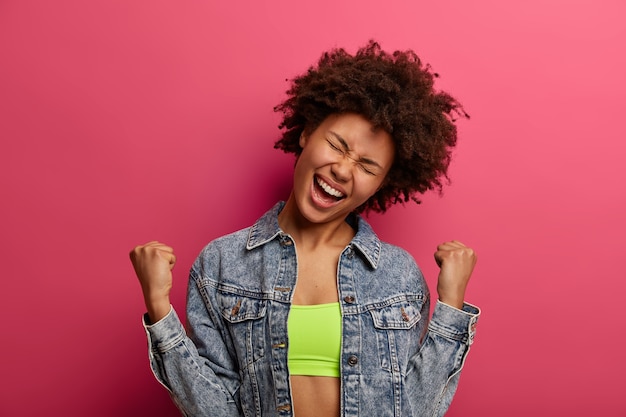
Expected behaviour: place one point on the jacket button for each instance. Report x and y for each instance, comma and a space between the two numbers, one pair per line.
349, 299
353, 360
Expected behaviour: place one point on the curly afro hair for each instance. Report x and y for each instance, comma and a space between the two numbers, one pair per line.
395, 93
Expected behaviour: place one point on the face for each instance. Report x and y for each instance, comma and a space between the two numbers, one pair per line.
343, 163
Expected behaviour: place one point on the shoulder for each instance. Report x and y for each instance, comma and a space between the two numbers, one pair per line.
395, 257
396, 275
389, 249
262, 231
229, 243
225, 256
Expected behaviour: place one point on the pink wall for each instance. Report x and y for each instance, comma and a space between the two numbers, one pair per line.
125, 121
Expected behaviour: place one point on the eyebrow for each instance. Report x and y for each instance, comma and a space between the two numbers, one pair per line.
346, 148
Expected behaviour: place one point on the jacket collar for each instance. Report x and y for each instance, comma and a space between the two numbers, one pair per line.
266, 229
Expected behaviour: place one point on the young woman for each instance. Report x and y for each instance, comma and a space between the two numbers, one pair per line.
307, 312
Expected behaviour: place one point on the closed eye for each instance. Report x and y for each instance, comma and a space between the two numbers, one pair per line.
365, 169
334, 146
363, 163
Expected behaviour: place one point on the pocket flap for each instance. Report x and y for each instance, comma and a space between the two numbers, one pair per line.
236, 308
400, 315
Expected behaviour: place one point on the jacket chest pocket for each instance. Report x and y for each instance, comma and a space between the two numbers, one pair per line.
397, 326
245, 318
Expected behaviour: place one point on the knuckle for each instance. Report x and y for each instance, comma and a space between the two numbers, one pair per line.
135, 251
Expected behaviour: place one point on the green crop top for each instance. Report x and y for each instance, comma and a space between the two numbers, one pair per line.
314, 339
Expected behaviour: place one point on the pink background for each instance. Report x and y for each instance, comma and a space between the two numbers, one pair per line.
126, 121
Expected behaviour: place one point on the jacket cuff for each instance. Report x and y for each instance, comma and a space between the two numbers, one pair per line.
165, 333
453, 323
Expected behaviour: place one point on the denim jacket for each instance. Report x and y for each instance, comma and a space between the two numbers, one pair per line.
232, 360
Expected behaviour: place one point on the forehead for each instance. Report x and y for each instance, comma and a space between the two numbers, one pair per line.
354, 128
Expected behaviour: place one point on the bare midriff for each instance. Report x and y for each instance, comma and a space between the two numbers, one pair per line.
315, 396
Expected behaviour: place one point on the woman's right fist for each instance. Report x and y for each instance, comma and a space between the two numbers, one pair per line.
153, 263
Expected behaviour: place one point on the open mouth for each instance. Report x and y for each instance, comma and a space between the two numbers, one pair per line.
326, 192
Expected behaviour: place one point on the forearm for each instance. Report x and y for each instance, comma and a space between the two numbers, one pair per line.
436, 368
194, 386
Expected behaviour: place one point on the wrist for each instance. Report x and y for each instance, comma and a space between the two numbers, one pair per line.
452, 302
452, 298
157, 308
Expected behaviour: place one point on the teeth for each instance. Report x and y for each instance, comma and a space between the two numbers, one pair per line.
330, 190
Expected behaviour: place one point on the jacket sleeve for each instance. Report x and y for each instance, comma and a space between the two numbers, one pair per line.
434, 370
197, 369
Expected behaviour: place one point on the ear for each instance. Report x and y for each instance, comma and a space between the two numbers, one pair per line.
302, 140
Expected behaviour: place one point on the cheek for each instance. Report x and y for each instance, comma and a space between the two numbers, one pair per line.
298, 171
369, 186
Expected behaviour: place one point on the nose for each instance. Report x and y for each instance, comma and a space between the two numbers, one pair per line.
342, 168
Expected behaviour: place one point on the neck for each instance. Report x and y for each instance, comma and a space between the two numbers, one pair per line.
311, 235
